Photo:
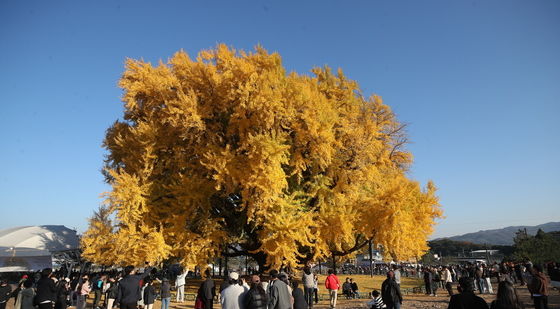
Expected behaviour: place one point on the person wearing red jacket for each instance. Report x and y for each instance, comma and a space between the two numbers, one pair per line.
332, 284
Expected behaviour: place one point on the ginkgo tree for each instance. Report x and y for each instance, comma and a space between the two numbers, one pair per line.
229, 154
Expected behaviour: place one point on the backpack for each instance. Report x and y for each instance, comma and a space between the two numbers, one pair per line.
98, 284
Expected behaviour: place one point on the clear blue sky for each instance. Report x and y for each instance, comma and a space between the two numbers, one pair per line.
477, 81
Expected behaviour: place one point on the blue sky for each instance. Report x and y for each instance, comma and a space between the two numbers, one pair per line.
478, 82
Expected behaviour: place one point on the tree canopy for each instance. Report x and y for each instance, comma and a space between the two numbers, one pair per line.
230, 154
540, 248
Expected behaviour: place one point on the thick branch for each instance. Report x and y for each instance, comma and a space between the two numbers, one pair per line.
359, 244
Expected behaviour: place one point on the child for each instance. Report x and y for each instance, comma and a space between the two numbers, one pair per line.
376, 302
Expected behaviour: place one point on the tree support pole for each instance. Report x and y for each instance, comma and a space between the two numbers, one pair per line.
370, 259
334, 263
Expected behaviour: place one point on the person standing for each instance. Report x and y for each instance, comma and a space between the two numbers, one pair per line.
504, 273
486, 275
62, 294
332, 284
507, 297
480, 282
74, 293
466, 298
519, 273
83, 291
97, 288
496, 271
446, 278
112, 292
130, 291
308, 285
316, 288
25, 297
232, 296
435, 281
149, 294
5, 293
390, 292
180, 285
46, 290
279, 296
256, 297
397, 274
19, 287
165, 292
299, 299
208, 291
428, 280
539, 288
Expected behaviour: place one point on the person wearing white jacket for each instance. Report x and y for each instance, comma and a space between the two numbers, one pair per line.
180, 285
447, 279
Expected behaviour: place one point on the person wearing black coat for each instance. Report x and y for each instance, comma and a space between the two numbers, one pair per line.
428, 281
62, 294
299, 298
466, 298
5, 293
390, 292
112, 292
149, 294
207, 291
129, 292
46, 290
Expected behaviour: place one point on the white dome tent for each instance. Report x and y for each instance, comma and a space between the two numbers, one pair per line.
30, 248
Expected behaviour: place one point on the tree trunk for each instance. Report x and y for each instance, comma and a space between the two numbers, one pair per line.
334, 264
260, 258
226, 271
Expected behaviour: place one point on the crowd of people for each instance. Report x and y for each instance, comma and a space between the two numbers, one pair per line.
478, 277
127, 289
130, 289
280, 291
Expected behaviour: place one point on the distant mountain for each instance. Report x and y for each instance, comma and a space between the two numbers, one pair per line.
503, 236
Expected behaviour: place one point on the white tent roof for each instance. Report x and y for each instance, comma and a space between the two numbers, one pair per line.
37, 240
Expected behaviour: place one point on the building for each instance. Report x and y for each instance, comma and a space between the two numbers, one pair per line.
32, 248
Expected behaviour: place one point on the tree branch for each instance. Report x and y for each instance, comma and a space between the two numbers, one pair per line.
359, 244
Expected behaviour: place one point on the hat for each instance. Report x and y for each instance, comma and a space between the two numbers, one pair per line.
233, 275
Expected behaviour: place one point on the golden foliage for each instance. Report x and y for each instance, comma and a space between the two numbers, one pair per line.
317, 166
